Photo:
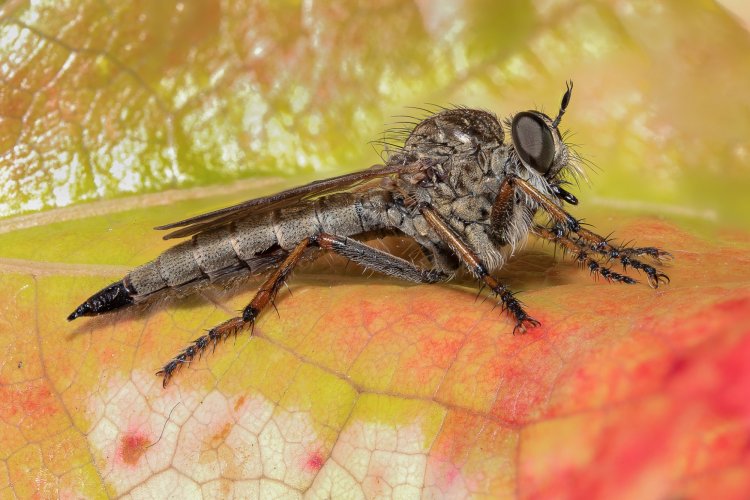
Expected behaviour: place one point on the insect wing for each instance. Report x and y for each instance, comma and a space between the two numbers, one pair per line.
216, 218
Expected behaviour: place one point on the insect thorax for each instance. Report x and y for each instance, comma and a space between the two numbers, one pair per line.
466, 160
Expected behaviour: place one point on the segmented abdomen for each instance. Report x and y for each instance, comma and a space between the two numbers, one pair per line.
242, 244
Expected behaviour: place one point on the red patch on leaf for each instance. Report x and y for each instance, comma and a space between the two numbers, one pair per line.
368, 314
132, 447
27, 400
696, 421
315, 461
108, 356
441, 352
736, 307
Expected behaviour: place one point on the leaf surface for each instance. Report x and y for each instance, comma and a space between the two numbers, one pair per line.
382, 388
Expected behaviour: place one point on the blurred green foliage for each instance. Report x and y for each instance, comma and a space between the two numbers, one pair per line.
102, 99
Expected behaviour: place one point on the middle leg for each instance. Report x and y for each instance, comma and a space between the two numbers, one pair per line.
477, 267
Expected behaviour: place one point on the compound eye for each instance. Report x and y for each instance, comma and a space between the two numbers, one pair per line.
533, 141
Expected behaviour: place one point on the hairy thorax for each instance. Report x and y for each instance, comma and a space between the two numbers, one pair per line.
467, 160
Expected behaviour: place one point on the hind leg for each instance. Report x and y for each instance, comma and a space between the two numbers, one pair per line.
263, 297
353, 250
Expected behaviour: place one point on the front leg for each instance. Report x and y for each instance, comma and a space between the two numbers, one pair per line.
566, 223
504, 208
581, 254
560, 217
625, 255
477, 267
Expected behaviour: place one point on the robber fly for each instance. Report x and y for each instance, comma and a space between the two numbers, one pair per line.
457, 187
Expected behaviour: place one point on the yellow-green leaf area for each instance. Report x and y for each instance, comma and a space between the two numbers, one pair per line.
196, 95
327, 397
419, 416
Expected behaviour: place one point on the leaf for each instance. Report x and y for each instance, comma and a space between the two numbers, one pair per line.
368, 387
380, 387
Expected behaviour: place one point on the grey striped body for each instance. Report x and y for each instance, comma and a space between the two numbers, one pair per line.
241, 245
462, 160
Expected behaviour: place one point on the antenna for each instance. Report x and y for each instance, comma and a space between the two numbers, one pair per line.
564, 103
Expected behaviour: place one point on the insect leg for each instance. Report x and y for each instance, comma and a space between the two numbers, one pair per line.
263, 297
560, 216
477, 268
602, 246
581, 255
598, 243
377, 260
358, 252
502, 209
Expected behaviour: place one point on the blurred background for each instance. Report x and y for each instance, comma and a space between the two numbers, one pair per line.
104, 99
